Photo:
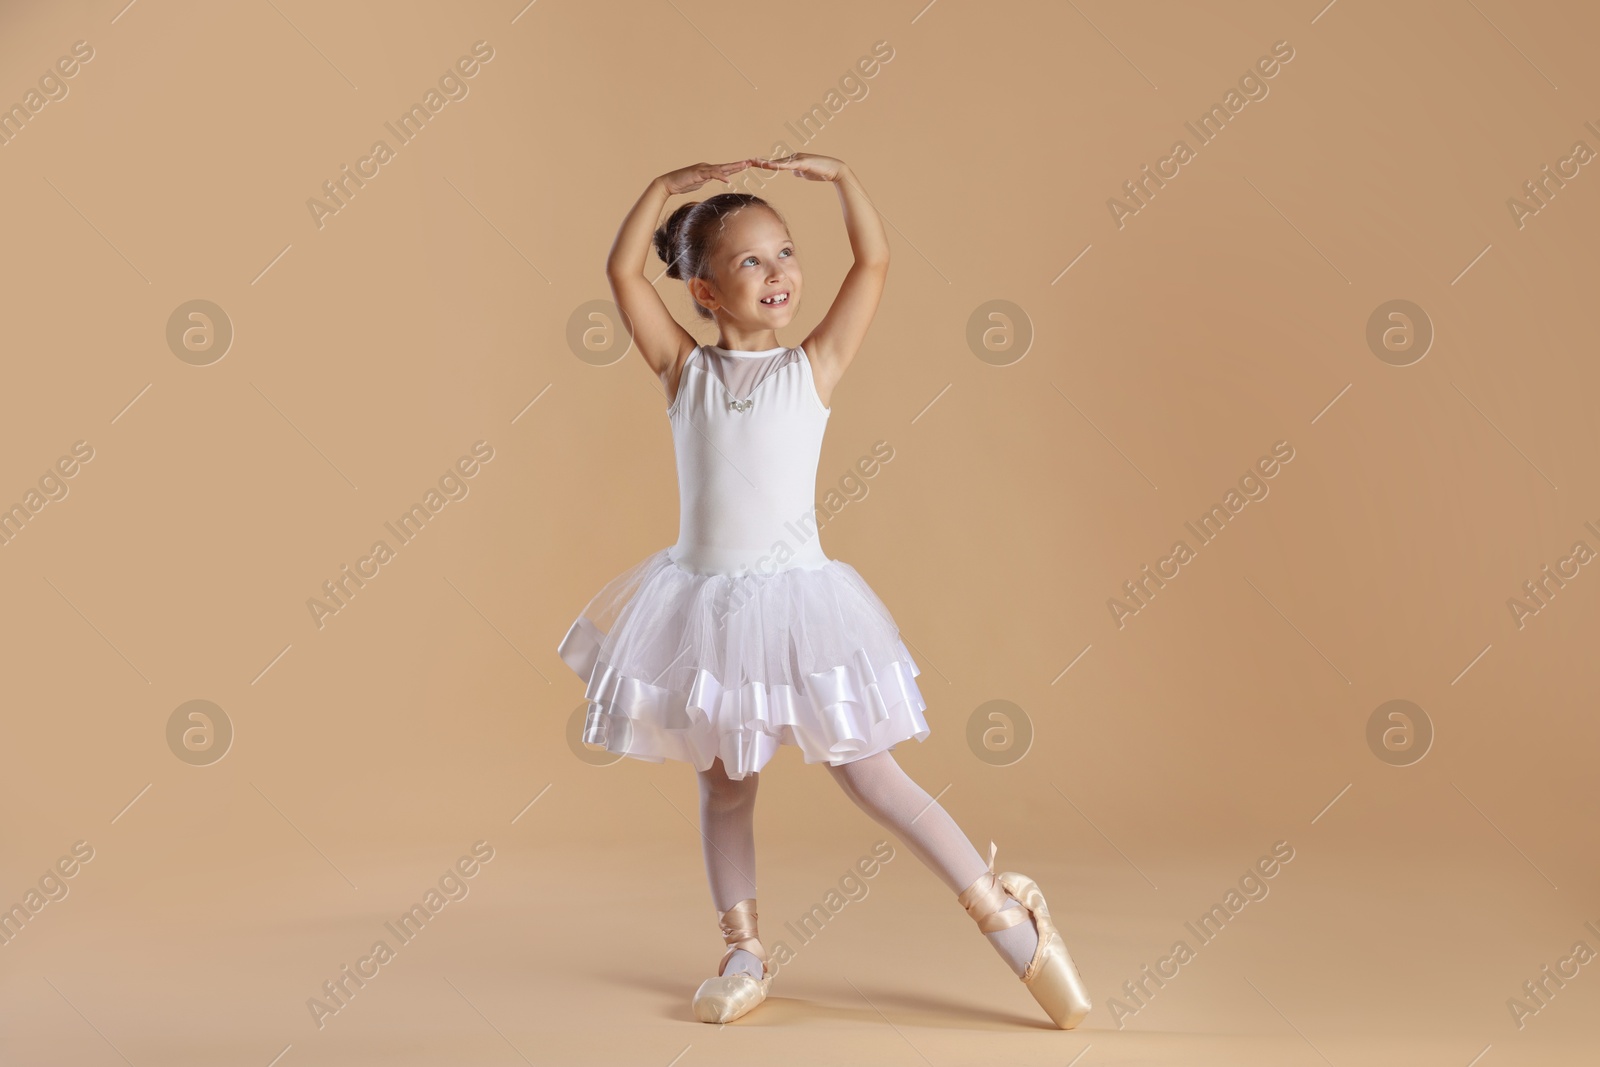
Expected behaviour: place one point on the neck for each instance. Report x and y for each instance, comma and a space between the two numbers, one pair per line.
741, 340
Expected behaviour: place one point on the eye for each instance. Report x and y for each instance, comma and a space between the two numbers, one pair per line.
748, 259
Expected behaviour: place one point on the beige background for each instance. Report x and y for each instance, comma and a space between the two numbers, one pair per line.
434, 310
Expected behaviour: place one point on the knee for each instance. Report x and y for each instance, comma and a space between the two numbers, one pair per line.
859, 777
842, 775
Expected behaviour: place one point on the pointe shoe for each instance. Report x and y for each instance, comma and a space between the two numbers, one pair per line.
1050, 976
726, 997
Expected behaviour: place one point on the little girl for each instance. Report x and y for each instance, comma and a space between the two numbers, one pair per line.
744, 635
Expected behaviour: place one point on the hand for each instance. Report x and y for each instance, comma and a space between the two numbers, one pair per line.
688, 179
806, 165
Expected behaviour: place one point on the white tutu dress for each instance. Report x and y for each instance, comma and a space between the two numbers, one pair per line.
744, 635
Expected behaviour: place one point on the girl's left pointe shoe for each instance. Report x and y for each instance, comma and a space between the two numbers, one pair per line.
728, 996
1050, 976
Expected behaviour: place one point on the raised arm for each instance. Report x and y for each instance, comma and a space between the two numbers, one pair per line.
837, 338
657, 335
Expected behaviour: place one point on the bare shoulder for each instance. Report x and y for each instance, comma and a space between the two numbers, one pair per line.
826, 368
672, 373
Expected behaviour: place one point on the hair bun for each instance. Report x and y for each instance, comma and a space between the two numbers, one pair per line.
666, 238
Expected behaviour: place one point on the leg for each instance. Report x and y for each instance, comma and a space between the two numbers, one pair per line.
882, 789
727, 829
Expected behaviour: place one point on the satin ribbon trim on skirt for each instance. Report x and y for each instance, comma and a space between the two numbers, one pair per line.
845, 712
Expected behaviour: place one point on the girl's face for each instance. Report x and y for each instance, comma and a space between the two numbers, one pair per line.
755, 272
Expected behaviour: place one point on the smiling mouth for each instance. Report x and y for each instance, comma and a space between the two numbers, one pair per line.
777, 300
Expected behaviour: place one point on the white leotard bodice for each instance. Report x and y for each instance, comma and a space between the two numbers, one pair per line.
747, 431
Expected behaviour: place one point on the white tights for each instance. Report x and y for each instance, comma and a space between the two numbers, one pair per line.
882, 789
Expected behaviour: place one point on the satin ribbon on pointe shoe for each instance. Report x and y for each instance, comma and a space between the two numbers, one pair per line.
985, 898
726, 997
738, 925
1050, 976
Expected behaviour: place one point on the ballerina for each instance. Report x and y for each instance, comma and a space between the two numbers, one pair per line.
744, 635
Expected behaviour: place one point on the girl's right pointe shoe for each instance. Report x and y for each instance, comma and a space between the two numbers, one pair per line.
1050, 976
726, 997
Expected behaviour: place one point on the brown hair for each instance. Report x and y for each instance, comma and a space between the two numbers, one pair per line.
686, 241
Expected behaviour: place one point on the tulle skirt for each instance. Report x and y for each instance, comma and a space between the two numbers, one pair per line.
687, 666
